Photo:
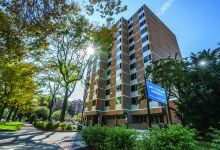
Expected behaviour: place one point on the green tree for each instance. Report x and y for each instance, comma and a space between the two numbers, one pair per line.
199, 100
41, 113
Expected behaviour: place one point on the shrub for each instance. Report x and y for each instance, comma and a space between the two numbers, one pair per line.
174, 137
215, 144
63, 125
121, 138
46, 125
40, 124
95, 136
79, 127
56, 115
105, 138
69, 127
41, 113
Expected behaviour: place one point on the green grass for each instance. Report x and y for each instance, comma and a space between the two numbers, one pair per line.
10, 126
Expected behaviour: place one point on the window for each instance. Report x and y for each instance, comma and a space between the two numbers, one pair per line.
134, 100
133, 76
109, 64
118, 88
132, 66
141, 16
107, 92
93, 102
119, 33
118, 57
106, 103
118, 100
131, 48
132, 56
144, 30
108, 72
109, 56
129, 27
108, 81
146, 48
131, 32
119, 41
118, 66
142, 23
131, 40
130, 20
118, 49
118, 76
139, 11
134, 88
147, 58
144, 39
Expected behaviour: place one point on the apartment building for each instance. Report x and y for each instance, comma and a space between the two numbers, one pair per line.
112, 97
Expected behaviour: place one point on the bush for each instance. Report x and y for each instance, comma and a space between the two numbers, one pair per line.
105, 138
174, 137
41, 113
63, 125
46, 125
95, 136
121, 138
215, 144
79, 127
56, 115
69, 127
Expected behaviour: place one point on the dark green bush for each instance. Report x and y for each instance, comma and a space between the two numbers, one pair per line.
95, 136
174, 137
105, 138
215, 144
46, 125
79, 127
69, 127
121, 138
63, 125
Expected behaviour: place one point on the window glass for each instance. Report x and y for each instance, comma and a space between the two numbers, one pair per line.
146, 48
108, 82
132, 66
118, 57
141, 16
108, 72
131, 40
139, 11
118, 48
133, 76
118, 66
109, 64
107, 92
144, 39
118, 88
134, 100
118, 100
93, 102
147, 58
130, 20
131, 32
131, 48
119, 41
132, 56
142, 23
129, 27
134, 88
143, 30
109, 56
106, 103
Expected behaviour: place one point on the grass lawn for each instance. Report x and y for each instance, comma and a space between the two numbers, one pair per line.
10, 126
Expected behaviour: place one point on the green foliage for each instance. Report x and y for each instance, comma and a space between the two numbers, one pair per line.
46, 125
215, 144
109, 138
63, 125
41, 113
69, 127
175, 137
56, 115
11, 126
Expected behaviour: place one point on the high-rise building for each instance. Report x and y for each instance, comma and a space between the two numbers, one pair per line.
112, 97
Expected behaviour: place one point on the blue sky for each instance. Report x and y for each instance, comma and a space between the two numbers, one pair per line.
196, 23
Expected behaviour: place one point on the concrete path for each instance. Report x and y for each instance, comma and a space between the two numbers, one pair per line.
29, 138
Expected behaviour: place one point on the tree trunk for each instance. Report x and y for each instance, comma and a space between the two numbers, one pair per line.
20, 117
2, 111
15, 114
10, 113
63, 112
50, 111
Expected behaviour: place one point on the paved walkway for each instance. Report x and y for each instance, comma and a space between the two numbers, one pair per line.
29, 138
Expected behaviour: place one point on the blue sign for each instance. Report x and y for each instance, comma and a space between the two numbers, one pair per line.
156, 93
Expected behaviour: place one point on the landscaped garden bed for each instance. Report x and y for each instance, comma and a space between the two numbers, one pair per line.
56, 126
11, 126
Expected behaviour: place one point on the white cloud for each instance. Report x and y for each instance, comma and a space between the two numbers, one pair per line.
166, 5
